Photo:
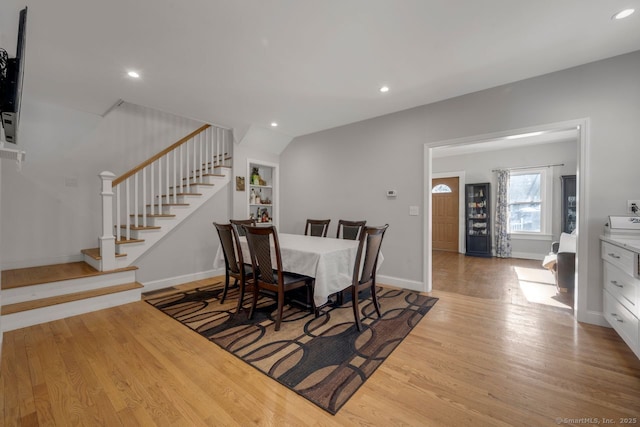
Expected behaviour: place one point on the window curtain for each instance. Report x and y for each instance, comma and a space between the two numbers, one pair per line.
503, 237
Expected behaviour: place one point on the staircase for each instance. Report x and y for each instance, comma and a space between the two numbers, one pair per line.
139, 208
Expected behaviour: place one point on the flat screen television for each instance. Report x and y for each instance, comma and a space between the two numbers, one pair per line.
11, 76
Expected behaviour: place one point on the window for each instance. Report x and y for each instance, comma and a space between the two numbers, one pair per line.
530, 201
441, 188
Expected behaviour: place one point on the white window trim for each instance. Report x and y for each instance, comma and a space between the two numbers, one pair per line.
546, 218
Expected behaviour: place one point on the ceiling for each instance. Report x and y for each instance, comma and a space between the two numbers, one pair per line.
308, 65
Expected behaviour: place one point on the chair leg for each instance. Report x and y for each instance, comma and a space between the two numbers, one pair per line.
280, 307
255, 300
340, 298
354, 304
240, 296
226, 286
374, 297
310, 291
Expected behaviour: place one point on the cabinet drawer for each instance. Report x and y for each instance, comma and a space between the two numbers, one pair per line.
620, 257
621, 319
622, 287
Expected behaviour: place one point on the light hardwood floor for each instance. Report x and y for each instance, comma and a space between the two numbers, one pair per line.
471, 361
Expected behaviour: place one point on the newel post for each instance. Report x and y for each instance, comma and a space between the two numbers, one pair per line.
107, 239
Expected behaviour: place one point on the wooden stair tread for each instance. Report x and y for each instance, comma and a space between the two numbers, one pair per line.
20, 277
140, 227
195, 183
123, 241
95, 253
206, 174
181, 194
170, 204
61, 299
156, 215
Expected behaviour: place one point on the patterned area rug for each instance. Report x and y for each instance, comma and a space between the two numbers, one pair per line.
324, 359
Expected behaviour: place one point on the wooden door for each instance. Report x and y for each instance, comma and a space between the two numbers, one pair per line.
445, 211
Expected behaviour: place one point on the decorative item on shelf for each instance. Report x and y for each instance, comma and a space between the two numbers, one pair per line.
265, 215
258, 199
251, 216
252, 198
262, 182
255, 176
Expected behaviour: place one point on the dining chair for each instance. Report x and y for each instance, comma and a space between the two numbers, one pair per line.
365, 277
350, 229
234, 261
238, 225
317, 227
276, 280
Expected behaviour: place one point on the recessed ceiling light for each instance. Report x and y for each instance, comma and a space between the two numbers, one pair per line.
274, 125
623, 14
133, 74
384, 89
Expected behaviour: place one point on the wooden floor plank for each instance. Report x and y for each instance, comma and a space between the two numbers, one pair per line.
480, 357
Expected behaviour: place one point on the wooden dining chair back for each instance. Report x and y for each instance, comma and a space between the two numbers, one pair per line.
233, 260
317, 227
238, 225
275, 280
350, 230
364, 271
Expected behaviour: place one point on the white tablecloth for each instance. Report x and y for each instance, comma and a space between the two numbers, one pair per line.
330, 261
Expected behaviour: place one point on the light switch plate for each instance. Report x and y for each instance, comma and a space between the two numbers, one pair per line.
414, 210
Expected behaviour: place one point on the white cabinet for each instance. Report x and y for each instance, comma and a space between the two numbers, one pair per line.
621, 294
262, 194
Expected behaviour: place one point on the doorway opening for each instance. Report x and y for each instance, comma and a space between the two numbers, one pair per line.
580, 131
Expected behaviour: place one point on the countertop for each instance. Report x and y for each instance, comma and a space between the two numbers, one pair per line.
628, 242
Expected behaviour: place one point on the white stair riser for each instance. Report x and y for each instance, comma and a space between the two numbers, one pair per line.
123, 249
177, 199
153, 221
60, 311
64, 287
193, 188
167, 210
208, 179
95, 263
142, 234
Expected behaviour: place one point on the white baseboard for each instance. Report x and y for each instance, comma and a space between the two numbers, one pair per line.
178, 280
11, 265
527, 255
592, 317
414, 285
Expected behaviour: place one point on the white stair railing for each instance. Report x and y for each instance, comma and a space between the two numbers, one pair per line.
145, 190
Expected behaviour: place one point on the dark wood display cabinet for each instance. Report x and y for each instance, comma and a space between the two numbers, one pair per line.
569, 205
478, 219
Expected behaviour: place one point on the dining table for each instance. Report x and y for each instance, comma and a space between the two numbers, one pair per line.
328, 260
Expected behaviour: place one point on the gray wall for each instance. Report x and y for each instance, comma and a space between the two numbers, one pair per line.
344, 172
478, 168
190, 247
